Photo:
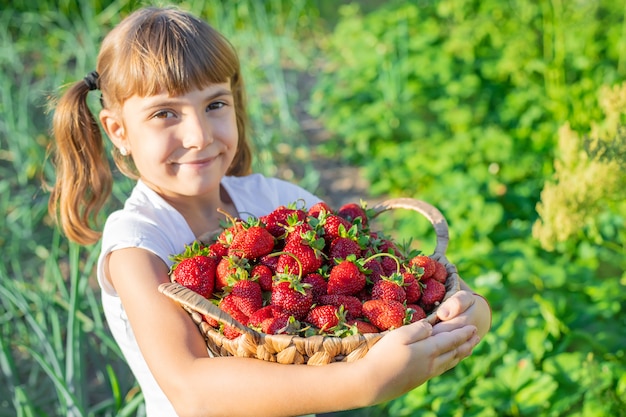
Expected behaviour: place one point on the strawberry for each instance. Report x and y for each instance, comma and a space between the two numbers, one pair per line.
346, 278
390, 288
231, 332
252, 243
440, 274
384, 314
353, 211
279, 218
324, 317
363, 327
229, 270
318, 284
261, 315
342, 247
229, 305
292, 296
195, 270
351, 304
281, 324
247, 296
432, 293
317, 208
270, 261
425, 262
263, 275
333, 226
373, 270
415, 313
301, 257
412, 287
218, 250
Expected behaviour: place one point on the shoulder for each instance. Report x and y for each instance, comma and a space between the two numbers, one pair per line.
146, 221
257, 194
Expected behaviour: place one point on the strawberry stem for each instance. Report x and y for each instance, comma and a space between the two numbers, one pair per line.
377, 255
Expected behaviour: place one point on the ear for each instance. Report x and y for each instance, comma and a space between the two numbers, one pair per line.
114, 128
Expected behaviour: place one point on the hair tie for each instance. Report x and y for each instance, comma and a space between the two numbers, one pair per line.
91, 80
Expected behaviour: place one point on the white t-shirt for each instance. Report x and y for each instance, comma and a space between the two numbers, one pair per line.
147, 221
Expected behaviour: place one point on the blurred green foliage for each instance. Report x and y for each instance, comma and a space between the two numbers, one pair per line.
458, 103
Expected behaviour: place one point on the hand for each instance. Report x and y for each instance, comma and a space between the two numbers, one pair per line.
463, 308
409, 356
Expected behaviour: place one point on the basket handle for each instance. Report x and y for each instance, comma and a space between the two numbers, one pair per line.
430, 212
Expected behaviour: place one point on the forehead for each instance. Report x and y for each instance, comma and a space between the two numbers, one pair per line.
198, 95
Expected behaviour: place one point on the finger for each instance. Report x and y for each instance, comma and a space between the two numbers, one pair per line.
454, 347
449, 341
455, 305
412, 333
452, 358
449, 325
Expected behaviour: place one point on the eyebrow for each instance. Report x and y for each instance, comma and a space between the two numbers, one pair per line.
172, 101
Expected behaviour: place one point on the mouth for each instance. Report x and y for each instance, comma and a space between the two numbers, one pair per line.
196, 162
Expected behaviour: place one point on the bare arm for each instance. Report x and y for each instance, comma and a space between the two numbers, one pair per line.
198, 385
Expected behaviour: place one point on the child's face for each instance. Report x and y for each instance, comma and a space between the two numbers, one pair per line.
183, 145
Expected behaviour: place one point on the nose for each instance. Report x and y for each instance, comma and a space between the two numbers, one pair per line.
197, 131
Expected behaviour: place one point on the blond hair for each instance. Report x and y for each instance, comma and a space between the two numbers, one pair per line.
152, 50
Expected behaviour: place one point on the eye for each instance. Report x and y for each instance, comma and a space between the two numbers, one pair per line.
216, 105
163, 114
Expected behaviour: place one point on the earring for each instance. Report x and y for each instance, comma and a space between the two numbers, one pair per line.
123, 151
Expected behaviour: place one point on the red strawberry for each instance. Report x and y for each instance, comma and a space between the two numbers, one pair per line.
280, 325
252, 243
196, 273
279, 218
293, 297
218, 250
247, 296
390, 288
229, 270
351, 304
342, 247
352, 211
317, 208
306, 252
270, 261
363, 327
263, 275
261, 315
346, 278
432, 294
318, 284
333, 226
298, 232
412, 287
229, 305
324, 317
374, 270
415, 313
384, 314
231, 332
440, 274
425, 262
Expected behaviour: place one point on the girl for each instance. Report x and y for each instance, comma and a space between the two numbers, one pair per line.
174, 110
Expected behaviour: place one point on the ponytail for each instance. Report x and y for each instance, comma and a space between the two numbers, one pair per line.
84, 179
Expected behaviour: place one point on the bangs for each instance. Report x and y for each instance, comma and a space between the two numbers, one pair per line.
173, 52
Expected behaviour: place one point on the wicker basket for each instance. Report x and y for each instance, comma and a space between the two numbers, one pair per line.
314, 350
